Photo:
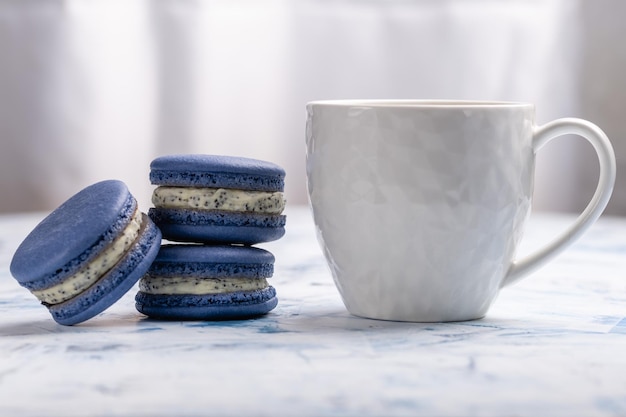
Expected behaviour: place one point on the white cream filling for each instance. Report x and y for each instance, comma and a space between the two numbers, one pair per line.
218, 199
93, 271
199, 286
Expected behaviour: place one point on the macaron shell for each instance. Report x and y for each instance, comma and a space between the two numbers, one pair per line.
215, 163
217, 171
212, 261
117, 282
239, 305
74, 232
225, 254
221, 234
218, 227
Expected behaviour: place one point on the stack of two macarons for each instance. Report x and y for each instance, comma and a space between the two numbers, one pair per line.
215, 208
91, 250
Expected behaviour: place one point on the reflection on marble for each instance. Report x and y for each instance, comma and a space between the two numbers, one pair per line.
551, 345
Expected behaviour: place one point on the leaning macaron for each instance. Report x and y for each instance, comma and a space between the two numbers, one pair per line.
217, 199
201, 282
87, 253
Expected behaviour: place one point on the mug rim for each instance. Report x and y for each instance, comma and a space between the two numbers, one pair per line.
418, 103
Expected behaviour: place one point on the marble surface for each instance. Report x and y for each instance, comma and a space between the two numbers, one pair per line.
554, 344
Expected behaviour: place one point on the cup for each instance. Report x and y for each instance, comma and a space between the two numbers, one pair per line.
420, 205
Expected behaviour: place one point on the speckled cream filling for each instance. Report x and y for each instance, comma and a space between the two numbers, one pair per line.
199, 286
218, 199
93, 271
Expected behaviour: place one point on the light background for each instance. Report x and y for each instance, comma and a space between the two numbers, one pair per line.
95, 89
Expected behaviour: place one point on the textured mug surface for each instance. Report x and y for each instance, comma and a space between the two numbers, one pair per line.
419, 206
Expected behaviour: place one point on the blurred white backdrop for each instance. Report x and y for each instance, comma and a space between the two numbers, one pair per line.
95, 89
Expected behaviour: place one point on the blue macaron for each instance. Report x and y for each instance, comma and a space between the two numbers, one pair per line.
217, 199
207, 282
87, 253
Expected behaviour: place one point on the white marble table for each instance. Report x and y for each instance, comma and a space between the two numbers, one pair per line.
554, 345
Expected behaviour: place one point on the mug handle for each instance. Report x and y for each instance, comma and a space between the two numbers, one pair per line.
606, 157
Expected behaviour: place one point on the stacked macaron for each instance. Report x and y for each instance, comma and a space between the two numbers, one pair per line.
216, 208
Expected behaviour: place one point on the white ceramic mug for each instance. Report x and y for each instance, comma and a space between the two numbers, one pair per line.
420, 205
